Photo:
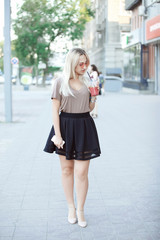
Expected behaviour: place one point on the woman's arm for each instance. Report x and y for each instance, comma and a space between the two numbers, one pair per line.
92, 102
56, 123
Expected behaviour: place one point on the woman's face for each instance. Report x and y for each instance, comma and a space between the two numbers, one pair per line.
82, 65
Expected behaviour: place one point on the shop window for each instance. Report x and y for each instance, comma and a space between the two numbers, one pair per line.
132, 63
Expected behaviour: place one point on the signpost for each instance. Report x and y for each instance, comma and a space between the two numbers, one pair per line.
14, 60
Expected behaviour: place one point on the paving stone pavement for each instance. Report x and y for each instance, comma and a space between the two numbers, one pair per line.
123, 201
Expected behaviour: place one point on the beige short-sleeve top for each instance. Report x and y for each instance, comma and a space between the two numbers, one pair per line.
79, 103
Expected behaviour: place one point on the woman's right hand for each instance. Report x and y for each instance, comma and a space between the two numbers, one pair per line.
58, 141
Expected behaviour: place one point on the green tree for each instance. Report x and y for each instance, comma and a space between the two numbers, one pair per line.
1, 56
13, 54
40, 22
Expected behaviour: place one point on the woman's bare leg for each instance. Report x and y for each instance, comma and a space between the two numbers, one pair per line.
81, 177
67, 167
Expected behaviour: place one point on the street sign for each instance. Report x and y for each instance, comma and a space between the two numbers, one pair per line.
26, 75
14, 60
153, 28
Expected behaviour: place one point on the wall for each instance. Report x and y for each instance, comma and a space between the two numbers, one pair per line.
102, 37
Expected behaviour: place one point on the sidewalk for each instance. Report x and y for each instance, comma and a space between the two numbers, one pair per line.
123, 201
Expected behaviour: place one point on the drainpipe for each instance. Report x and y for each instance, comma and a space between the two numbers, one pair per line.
156, 68
143, 24
143, 81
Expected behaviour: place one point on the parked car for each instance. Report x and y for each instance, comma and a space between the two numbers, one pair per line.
14, 79
113, 84
39, 80
49, 80
113, 78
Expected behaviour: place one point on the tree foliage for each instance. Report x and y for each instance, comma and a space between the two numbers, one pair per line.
13, 53
40, 22
1, 56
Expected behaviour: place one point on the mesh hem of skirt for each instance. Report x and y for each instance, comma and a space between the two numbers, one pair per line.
79, 155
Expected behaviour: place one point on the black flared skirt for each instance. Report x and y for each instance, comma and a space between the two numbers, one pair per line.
79, 132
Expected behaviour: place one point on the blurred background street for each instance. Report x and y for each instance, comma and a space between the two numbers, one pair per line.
123, 201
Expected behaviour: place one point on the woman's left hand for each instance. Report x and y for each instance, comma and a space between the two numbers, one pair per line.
93, 99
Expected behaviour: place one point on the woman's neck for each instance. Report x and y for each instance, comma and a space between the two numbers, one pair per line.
76, 78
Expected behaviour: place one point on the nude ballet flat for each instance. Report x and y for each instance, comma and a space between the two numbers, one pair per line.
81, 223
71, 220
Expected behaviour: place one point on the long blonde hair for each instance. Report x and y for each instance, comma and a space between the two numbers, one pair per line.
71, 62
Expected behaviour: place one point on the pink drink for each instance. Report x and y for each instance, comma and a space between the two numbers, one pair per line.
94, 91
93, 86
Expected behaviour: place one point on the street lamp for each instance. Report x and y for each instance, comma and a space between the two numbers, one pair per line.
7, 62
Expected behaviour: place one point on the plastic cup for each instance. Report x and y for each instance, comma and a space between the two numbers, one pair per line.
94, 91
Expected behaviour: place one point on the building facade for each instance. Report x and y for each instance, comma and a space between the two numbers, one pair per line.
142, 48
102, 37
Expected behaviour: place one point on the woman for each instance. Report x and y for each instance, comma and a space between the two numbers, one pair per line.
94, 76
75, 136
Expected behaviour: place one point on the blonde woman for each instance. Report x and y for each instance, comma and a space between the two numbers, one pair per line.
75, 136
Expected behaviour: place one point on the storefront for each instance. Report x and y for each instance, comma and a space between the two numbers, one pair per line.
136, 67
132, 63
153, 43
